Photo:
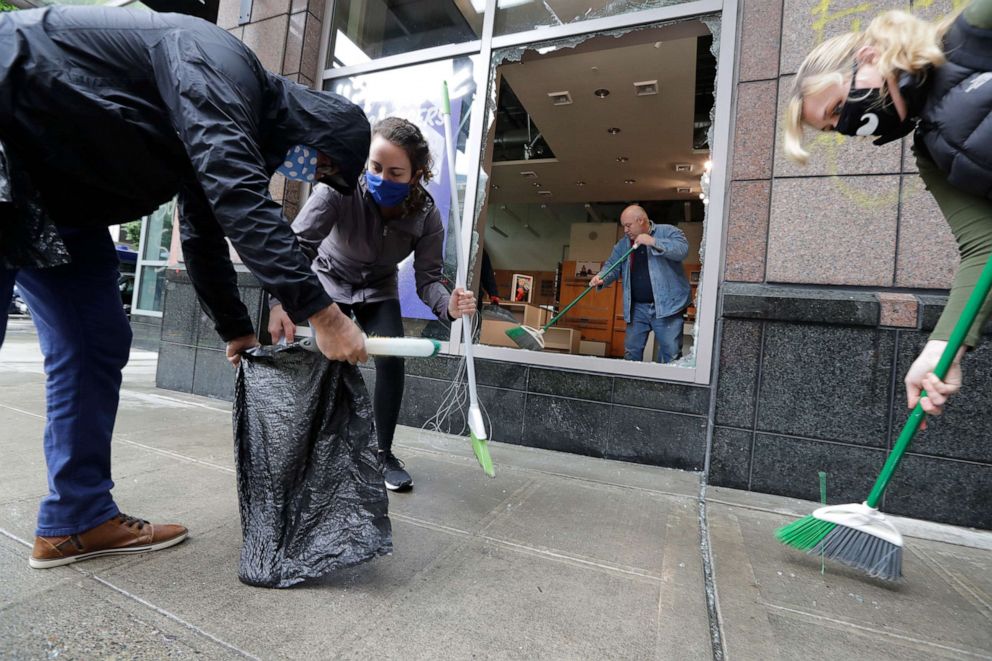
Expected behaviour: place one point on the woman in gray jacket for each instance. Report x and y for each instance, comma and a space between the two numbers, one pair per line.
359, 240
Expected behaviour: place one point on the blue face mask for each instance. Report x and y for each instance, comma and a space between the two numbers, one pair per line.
386, 193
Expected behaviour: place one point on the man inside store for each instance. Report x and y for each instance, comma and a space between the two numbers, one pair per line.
655, 289
105, 114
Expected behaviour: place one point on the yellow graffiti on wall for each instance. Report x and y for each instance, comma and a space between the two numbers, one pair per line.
825, 16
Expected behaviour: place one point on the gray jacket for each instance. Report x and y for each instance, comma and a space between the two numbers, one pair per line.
358, 252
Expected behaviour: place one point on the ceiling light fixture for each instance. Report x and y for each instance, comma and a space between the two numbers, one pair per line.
646, 88
560, 98
602, 92
630, 181
613, 130
503, 234
580, 183
622, 159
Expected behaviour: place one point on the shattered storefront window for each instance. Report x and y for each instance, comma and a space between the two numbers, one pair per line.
522, 15
579, 130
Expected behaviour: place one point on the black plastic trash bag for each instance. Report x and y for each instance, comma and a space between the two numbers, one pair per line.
312, 497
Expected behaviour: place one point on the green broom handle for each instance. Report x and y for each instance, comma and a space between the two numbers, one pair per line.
961, 328
588, 289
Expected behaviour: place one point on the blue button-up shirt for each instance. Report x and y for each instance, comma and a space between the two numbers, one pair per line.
668, 282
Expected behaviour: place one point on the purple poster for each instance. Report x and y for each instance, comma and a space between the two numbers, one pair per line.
415, 95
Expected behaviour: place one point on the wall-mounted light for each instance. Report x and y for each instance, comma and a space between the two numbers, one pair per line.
593, 213
503, 234
505, 209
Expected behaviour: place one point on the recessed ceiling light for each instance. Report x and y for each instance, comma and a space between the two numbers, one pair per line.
495, 186
580, 184
535, 184
613, 130
622, 159
646, 88
560, 98
602, 92
630, 181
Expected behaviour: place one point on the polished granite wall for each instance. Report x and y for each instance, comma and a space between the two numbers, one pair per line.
811, 380
191, 354
612, 417
147, 331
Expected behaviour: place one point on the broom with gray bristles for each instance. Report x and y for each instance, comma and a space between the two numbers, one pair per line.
857, 534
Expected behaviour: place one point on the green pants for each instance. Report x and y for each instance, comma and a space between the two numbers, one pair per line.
970, 218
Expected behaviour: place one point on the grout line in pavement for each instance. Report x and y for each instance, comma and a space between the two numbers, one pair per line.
158, 609
541, 471
175, 455
875, 632
172, 616
533, 550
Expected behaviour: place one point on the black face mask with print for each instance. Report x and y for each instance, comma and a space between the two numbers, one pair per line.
866, 112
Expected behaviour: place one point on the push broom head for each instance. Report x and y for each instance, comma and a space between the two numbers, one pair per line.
477, 431
526, 337
854, 534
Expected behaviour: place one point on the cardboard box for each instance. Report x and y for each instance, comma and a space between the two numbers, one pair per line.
535, 317
562, 340
588, 348
494, 333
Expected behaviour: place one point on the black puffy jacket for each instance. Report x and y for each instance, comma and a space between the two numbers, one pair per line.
955, 125
113, 112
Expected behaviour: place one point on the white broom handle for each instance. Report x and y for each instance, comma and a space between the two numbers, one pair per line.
406, 347
461, 270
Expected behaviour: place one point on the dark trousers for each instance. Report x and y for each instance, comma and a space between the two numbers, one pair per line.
85, 338
383, 318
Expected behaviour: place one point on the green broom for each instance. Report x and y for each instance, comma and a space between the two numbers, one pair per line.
476, 426
859, 535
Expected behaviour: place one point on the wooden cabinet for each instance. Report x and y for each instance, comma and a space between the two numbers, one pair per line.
593, 316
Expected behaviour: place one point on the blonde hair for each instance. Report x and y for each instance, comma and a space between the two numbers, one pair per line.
904, 43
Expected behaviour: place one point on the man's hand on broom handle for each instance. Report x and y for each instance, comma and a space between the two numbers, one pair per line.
338, 337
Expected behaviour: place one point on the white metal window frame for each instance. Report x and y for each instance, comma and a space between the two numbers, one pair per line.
139, 269
712, 247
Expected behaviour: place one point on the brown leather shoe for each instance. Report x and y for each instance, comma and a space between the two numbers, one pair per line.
122, 534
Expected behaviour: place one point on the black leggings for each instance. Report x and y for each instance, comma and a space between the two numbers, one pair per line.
383, 318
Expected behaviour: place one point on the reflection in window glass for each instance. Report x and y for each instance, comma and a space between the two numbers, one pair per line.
522, 15
151, 288
365, 30
158, 233
415, 93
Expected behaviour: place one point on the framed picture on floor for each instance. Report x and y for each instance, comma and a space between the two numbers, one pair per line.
522, 288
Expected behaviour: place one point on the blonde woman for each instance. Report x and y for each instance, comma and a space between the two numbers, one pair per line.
904, 73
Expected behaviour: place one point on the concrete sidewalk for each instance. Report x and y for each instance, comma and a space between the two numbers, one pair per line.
560, 557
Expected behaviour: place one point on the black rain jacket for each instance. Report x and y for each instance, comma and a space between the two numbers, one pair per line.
955, 129
112, 112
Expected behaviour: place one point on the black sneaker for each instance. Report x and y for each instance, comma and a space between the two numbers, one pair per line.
396, 477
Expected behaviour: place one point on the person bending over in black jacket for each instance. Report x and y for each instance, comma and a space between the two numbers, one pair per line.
105, 114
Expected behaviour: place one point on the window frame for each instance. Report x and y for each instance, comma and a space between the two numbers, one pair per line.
720, 150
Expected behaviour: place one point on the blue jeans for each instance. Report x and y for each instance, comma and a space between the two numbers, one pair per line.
667, 333
85, 338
